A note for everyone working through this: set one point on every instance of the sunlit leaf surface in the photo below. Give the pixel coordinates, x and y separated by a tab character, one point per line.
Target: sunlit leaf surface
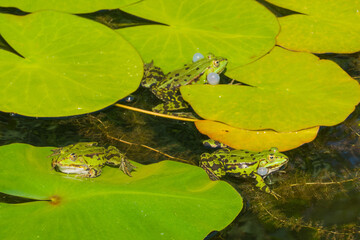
289	91
241	31
78	6
322	25
160	201
69	65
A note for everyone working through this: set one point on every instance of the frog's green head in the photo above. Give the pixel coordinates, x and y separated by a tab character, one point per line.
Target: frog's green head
217	64
272	161
68	158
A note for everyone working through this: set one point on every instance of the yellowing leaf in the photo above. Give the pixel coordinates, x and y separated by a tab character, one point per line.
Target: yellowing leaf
255	140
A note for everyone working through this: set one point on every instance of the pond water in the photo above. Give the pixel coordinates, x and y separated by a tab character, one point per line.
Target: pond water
319	188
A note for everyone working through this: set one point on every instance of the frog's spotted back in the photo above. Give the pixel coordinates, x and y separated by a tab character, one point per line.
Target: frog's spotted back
243	163
86	159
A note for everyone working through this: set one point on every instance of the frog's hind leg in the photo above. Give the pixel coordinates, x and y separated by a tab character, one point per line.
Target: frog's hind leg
174	105
126	167
209	172
169	106
116	158
214	169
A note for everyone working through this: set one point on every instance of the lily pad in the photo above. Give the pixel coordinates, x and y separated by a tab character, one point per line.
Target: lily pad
70	65
323	26
255	140
289	91
79	6
158	202
241	31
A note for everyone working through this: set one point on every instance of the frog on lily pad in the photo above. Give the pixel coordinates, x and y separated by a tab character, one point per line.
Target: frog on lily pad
86	159
243	163
166	87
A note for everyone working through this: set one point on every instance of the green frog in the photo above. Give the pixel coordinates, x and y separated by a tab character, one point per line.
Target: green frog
166	87
87	159
243	163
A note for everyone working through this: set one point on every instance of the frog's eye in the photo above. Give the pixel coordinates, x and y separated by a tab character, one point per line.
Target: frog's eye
72	156
216	63
271	157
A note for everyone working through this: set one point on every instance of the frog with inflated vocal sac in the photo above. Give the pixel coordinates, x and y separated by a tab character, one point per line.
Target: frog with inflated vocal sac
166	87
86	159
243	163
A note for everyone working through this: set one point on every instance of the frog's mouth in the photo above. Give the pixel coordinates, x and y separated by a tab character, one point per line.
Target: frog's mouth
71	169
280	167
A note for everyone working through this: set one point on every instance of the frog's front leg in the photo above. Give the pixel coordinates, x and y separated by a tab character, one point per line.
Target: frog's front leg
92	172
260	183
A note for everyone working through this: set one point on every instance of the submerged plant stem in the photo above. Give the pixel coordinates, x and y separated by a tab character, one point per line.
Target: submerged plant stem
325	183
156	114
142	145
319	229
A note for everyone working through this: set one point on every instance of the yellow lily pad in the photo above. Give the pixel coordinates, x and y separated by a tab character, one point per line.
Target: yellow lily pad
255	140
323	26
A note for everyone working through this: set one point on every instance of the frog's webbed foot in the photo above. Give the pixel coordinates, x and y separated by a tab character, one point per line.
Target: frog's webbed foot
126	167
116	158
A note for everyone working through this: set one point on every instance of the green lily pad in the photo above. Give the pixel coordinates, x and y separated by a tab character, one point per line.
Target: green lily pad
241	31
255	140
70	65
324	26
289	91
79	6
160	201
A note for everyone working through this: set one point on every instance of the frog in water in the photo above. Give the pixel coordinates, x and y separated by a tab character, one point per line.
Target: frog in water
243	163
86	159
166	87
